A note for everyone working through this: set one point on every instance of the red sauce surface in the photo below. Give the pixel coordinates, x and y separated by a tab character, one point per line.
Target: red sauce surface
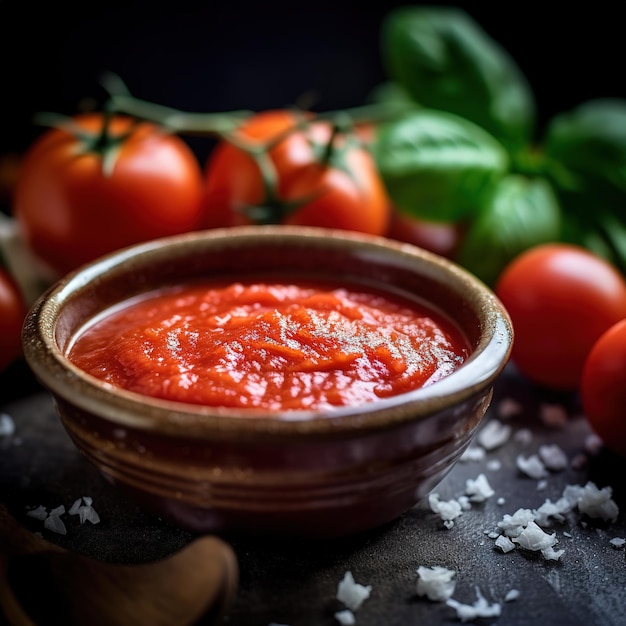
274	345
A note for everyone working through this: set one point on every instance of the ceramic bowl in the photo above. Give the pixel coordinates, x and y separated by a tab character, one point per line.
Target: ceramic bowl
224	471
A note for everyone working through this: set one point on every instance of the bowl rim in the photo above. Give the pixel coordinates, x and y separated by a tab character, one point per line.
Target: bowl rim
129	409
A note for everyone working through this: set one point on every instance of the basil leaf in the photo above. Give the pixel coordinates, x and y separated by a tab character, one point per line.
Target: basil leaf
590	142
521	212
446	61
438	166
589	146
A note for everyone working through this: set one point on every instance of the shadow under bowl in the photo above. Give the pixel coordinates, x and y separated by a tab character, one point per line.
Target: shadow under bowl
222	470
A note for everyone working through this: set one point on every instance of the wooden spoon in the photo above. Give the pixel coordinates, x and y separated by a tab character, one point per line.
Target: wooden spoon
41	583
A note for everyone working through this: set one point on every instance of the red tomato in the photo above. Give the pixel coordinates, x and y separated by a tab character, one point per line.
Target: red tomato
344	193
438	237
70	210
603	387
12	313
561	298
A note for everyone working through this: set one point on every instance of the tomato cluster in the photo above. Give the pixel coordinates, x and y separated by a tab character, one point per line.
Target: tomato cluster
568	308
98	183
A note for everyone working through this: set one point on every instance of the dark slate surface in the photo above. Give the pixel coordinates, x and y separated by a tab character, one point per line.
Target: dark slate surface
294	582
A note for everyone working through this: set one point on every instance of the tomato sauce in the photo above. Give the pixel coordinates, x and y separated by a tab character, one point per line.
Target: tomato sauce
270	345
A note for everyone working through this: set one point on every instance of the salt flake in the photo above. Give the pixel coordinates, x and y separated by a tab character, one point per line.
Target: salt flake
88	514
595	502
478	490
553	457
55	524
480	608
436	583
75	506
531	466
512	594
351	593
534	538
447	510
473	453
494	434
345	617
504	543
39	513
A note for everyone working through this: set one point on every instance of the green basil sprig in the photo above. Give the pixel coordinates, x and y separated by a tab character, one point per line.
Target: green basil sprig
438	166
590	142
445	61
589	146
483	164
521	212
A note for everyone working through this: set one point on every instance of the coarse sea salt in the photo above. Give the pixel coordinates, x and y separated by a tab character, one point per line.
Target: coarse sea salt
480	608
479	489
345	617
476	491
531	466
512	594
448	510
524	526
505	544
532	537
52	519
494	434
85	511
437	583
553	457
39	513
594	502
351	593
473	453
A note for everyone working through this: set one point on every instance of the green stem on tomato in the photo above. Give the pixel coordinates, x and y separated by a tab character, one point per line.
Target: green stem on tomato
219	124
374	113
176	120
62	122
269	177
122	101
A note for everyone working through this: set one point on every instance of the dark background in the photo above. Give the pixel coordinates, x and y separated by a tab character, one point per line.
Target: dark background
218	56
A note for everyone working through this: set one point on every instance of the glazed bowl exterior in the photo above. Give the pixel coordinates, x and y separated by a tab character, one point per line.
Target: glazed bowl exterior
225	470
